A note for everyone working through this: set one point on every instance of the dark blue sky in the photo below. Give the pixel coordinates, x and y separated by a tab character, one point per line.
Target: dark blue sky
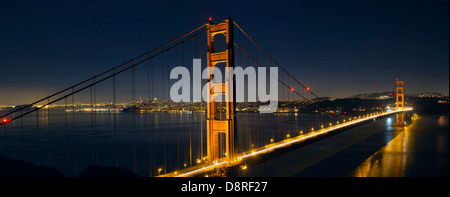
338	48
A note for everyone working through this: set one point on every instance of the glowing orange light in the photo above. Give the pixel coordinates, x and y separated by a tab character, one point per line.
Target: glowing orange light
292	89
307	89
5	120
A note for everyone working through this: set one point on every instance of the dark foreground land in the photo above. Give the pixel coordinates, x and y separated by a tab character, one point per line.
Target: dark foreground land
17	168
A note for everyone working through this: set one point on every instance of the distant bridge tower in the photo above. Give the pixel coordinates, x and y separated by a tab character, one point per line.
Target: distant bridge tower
217	126
400	101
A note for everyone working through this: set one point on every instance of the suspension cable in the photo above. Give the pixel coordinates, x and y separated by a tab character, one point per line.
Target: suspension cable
105	72
99	81
272	58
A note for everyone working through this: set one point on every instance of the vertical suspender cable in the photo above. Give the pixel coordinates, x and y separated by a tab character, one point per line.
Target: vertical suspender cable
114	111
38	137
49	134
22	139
73	136
67	137
133	115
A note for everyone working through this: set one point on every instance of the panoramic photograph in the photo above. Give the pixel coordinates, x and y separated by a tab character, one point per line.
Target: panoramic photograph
265	95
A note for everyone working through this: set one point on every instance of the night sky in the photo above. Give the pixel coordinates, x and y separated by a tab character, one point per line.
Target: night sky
338	48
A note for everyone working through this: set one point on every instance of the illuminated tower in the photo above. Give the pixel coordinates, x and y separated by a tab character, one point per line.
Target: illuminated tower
400	101
218	126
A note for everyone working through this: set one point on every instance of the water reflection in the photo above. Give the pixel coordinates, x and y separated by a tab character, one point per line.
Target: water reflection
419	149
387	162
443	121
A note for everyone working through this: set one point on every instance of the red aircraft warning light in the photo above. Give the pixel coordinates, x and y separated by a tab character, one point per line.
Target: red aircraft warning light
5	120
210	18
307	89
292	89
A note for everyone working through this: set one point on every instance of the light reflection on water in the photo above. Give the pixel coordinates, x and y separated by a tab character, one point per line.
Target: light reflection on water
443	121
387	162
413	152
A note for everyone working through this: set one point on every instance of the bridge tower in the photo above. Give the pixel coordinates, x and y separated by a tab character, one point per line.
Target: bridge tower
218	126
400	98
400	101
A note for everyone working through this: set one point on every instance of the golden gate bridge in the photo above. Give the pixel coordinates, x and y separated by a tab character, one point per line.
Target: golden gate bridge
224	134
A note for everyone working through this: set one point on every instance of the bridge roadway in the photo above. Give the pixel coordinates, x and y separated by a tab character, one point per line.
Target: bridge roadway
202	168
